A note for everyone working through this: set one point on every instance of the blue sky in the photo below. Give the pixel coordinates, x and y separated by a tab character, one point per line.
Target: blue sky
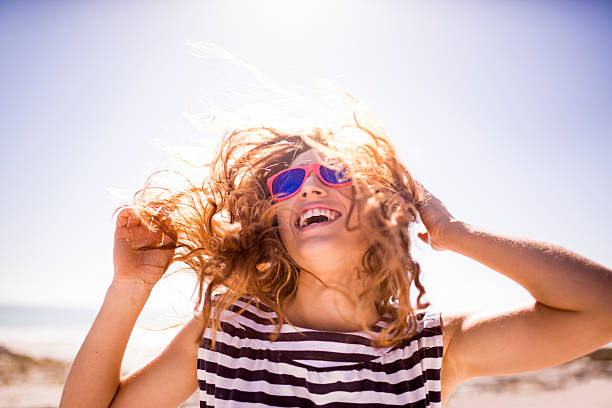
500	108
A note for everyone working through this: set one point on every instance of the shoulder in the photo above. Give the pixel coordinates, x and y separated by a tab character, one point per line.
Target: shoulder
192	331
451	322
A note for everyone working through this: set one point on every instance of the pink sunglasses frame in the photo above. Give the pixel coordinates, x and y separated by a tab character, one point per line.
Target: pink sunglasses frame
315	167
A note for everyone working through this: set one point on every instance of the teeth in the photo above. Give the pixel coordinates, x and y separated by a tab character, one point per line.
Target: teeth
330	214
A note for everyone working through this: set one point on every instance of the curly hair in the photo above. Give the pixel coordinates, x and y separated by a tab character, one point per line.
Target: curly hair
226	228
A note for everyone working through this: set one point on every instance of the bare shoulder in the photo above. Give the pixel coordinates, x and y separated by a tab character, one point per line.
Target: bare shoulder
451	323
450	378
194	329
515	339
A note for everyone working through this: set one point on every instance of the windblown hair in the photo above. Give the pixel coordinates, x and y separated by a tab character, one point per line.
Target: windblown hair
226	228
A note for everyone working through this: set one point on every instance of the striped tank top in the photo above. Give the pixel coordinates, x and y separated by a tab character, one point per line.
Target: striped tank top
316	368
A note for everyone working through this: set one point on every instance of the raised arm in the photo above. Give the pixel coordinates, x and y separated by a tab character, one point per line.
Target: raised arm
570	316
94	378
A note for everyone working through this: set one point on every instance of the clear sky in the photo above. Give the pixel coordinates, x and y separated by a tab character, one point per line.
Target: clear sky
500	108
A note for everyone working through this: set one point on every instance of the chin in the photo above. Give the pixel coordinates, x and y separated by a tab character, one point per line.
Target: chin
315	250
323	252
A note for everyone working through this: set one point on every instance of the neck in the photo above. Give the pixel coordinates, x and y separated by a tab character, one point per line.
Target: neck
325	306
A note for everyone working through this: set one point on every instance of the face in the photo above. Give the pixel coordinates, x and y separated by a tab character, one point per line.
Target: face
322	244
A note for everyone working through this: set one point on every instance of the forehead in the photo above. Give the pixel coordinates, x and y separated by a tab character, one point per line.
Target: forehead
307	157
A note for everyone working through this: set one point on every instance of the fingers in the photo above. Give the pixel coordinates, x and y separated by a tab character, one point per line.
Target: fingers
121	230
163	222
424	193
125	224
420	194
128	227
157	232
122	217
133	221
127	218
154	234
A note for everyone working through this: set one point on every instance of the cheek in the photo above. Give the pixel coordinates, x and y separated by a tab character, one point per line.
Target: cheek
346	192
284	226
284	218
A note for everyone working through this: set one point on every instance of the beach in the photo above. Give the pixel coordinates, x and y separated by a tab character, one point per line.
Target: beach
585	382
34	382
37	346
29	382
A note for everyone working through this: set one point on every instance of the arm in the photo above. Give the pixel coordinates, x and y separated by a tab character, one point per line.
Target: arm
570	316
168	379
94	378
555	276
95	372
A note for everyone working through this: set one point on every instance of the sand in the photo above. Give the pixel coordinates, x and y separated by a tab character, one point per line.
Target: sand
29	382
588	394
583	382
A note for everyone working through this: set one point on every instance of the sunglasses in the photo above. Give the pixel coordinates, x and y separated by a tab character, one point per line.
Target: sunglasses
289	182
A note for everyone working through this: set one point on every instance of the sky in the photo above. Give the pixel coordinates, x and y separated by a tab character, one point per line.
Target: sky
500	108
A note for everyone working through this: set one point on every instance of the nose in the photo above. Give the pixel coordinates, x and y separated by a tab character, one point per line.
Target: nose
313	187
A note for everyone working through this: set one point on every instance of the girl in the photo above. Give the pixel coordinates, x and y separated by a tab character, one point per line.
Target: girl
301	243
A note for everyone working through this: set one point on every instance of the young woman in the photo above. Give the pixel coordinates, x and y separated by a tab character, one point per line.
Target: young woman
301	242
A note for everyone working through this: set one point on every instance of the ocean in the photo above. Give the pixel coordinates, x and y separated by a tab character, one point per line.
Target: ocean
57	333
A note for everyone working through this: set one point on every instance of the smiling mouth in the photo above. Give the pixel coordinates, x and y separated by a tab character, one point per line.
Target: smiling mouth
316	217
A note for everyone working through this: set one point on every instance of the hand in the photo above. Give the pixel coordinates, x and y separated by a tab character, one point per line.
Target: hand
133	263
436	218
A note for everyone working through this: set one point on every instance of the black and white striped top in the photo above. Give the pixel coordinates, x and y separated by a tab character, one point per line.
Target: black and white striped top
316	368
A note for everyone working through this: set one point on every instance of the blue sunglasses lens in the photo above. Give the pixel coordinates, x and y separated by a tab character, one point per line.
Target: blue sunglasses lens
334	176
288	182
